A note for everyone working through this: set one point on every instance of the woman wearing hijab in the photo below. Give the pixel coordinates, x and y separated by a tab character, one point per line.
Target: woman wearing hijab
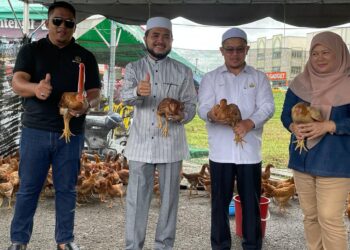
322	172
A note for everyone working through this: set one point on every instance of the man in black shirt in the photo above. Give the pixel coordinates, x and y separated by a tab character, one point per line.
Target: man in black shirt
44	70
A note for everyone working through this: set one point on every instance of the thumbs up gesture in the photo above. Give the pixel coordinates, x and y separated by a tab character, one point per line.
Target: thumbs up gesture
44	88
144	86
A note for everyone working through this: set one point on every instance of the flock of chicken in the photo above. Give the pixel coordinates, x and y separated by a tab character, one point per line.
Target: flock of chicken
106	179
9	180
281	191
100	179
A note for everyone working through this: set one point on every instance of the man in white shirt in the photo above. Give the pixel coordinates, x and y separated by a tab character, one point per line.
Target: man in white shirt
248	88
146	83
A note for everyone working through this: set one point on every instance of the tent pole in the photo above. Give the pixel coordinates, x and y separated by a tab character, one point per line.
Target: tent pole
14	13
26	17
111	69
101	36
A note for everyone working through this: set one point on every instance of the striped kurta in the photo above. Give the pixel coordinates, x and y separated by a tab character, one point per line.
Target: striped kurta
169	78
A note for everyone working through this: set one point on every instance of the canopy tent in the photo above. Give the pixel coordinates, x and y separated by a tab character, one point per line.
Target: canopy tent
11	29
36	11
94	34
311	13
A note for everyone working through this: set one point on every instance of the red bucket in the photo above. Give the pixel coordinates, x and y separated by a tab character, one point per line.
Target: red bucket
264	214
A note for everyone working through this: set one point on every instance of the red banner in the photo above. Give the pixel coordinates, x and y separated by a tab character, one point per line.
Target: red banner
275	76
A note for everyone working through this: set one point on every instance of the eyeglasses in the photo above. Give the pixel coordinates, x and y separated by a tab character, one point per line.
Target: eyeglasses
231	50
57	21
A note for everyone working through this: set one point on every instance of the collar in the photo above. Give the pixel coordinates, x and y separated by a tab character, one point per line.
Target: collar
154	62
223	69
72	41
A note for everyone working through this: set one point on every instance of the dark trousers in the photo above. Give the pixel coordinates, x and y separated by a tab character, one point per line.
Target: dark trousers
39	149
223	176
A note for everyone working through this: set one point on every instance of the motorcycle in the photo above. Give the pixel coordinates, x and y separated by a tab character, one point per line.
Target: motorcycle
99	139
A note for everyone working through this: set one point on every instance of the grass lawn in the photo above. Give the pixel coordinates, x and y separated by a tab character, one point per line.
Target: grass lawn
275	136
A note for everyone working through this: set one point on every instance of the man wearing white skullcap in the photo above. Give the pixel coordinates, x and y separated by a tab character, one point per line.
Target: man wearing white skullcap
146	83
158	22
250	90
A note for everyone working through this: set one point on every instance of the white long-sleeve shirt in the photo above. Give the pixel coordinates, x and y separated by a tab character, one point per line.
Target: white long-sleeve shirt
251	91
169	78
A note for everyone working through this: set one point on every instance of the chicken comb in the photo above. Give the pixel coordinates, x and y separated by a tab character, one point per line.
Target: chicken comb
81	82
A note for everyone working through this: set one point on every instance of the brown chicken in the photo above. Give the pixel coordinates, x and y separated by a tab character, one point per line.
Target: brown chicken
170	109
281	195
230	114
347	211
101	188
72	101
193	178
303	113
6	190
267	172
115	190
85	187
206	182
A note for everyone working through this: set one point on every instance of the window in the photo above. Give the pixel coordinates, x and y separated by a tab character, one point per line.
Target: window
276	54
295	70
261	55
276	69
297	54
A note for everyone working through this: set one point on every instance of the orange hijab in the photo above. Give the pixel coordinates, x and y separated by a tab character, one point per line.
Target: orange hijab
324	90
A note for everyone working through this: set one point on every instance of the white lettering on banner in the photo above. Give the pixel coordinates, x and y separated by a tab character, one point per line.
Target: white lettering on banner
276	75
13	24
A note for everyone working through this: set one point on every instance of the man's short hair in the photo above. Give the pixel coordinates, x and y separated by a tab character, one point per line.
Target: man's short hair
61	4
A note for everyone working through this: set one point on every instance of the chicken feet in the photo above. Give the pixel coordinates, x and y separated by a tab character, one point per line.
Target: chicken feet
300	145
165	129
66	118
239	140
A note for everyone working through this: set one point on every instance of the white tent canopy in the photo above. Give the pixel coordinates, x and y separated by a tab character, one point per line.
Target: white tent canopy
310	13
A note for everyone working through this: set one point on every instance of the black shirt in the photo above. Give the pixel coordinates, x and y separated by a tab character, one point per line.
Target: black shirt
42	57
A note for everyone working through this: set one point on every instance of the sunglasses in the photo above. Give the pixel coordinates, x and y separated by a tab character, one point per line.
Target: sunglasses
57	21
231	50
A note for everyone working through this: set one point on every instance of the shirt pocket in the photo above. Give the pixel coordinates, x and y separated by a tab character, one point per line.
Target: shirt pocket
249	89
171	89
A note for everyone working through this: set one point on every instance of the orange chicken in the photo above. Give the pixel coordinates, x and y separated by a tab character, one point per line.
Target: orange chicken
267	172
6	190
85	187
230	114
115	190
170	109
72	101
206	182
281	195
348	206
303	113
193	178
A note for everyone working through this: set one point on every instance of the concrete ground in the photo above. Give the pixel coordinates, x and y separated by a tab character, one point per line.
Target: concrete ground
102	228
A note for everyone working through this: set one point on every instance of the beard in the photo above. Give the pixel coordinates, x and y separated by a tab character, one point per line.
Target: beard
158	56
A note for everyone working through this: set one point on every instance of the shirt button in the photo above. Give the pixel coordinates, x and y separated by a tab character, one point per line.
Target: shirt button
156	70
152	110
152	123
156	83
154	96
152	137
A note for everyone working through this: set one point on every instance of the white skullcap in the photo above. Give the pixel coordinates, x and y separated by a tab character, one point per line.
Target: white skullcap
158	22
234	32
